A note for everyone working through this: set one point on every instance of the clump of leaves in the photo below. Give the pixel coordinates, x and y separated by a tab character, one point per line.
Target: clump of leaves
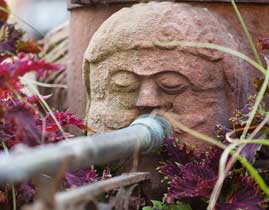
192	176
241	193
22	119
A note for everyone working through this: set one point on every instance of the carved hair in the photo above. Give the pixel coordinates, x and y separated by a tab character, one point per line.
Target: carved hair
139	26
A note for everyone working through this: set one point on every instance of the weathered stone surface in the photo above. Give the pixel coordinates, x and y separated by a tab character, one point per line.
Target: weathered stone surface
130	76
86	20
83	24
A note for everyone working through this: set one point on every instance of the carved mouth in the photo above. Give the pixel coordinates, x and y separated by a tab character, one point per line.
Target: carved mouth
123	119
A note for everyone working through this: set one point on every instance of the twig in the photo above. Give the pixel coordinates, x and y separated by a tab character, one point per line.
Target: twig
89	192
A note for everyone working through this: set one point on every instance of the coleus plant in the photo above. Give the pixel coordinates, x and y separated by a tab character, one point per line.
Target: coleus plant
22	121
191	176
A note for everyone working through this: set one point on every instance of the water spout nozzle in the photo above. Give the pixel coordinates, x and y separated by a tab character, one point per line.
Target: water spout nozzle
159	128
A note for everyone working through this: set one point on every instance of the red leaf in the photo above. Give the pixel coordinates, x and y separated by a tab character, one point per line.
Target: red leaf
12	69
29	47
64	119
24	125
35	99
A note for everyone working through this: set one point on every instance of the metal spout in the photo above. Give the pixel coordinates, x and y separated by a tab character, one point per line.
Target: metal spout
146	134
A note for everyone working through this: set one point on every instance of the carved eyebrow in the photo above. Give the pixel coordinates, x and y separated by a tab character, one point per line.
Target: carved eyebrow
214	55
95	57
183	71
116	66
122	71
207	56
119	69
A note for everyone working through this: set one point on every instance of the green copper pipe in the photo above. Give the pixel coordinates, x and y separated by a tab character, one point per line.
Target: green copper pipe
146	134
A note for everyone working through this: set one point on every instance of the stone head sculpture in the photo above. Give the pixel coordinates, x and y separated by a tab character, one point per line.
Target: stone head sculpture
127	75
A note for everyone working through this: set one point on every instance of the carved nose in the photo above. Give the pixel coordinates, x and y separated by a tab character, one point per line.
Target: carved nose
148	96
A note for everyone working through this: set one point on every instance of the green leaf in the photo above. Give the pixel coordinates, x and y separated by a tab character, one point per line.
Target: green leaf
147	208
157	204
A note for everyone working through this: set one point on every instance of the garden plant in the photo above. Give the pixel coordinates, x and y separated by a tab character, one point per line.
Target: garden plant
232	174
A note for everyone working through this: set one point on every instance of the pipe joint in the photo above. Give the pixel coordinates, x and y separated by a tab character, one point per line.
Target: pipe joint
159	130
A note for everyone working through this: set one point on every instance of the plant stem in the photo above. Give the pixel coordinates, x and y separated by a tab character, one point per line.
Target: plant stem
260	126
248	35
14	202
256	104
34	90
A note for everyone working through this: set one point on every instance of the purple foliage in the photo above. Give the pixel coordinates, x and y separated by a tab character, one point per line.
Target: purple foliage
195	177
25	193
173	150
245	195
10	37
189	175
27	131
250	151
21	120
195	180
80	177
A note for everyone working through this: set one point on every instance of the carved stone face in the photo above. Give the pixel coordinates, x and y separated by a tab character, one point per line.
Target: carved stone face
198	86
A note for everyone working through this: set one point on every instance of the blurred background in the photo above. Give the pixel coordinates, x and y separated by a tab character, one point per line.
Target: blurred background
42	15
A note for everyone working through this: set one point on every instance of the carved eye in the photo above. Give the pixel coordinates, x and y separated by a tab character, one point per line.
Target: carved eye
124	81
172	82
